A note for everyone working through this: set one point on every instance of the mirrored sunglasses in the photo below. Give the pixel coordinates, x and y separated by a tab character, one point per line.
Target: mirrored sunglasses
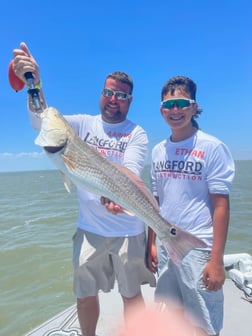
118	94
178	102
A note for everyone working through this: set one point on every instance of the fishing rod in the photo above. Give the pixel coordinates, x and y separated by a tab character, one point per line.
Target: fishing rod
17	84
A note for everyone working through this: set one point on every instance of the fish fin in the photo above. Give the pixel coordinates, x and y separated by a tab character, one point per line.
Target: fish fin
127	212
139	183
179	243
70	164
67	182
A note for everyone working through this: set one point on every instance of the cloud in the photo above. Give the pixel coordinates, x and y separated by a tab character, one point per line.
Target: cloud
10	162
22	155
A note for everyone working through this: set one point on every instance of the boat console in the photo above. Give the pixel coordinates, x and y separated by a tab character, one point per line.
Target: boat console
239	270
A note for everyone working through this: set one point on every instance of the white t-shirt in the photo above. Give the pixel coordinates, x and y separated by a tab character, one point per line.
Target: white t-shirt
125	143
184	174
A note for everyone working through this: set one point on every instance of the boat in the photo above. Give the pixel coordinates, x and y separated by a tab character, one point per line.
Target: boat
237	305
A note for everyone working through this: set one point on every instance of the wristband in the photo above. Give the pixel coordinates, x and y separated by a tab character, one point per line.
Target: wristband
37	86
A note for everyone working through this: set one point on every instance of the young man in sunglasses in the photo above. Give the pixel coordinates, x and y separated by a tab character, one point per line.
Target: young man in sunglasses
191	176
105	247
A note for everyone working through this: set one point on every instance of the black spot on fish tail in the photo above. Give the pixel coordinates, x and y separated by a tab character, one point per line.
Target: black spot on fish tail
173	231
179	242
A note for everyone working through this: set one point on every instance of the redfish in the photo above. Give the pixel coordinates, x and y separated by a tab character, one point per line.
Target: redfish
89	170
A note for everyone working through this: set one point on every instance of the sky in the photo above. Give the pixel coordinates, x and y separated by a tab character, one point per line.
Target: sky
77	43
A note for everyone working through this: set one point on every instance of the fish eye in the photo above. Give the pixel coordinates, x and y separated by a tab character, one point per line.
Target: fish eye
173	231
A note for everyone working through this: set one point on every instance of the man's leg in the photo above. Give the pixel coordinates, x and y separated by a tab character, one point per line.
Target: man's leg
88	313
129	303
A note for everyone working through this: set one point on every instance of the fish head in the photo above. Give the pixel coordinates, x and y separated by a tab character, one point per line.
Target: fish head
54	131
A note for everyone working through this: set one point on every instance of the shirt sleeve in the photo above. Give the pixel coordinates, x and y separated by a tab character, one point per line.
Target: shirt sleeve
221	170
136	153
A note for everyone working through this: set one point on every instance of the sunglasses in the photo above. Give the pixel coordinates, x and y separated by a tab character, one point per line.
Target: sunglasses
118	94
179	102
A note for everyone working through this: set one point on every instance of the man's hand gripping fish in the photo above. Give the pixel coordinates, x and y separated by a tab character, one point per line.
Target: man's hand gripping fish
89	170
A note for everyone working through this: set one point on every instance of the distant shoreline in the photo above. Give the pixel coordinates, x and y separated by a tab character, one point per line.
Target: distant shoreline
55	169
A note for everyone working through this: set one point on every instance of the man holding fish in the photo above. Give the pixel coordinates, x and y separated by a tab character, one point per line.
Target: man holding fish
105	247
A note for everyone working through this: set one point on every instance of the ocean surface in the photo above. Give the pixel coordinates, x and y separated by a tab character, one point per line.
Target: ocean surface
37	221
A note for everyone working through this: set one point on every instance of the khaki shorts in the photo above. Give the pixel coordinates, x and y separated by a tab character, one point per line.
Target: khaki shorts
99	260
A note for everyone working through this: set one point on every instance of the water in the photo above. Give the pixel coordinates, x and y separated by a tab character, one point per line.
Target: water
37	221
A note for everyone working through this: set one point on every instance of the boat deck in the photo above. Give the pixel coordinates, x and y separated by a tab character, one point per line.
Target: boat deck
238	313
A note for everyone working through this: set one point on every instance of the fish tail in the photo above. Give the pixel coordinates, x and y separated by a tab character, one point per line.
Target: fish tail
179	243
